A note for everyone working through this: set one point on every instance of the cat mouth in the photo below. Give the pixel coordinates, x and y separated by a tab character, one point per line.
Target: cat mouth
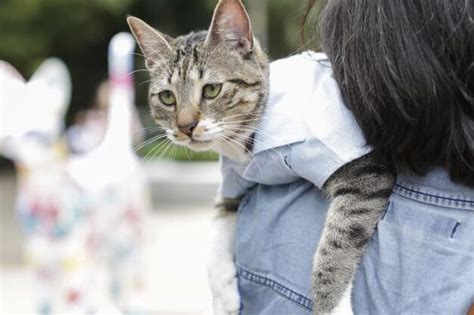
193	143
200	145
201	141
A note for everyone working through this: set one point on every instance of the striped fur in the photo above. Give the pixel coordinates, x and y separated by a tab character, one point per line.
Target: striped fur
184	66
359	192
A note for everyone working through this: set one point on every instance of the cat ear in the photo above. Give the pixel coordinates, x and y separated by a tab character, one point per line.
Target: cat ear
8	71
49	89
152	43
12	92
55	76
231	23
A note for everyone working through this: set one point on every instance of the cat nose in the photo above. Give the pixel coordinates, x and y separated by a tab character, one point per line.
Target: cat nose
188	129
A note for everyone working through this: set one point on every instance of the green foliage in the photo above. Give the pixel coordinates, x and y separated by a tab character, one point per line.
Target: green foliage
285	28
35	29
77	31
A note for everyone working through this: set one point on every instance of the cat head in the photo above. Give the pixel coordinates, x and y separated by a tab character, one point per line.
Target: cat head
33	112
207	89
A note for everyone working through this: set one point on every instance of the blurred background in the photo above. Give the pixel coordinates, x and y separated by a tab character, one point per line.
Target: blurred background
181	185
78	32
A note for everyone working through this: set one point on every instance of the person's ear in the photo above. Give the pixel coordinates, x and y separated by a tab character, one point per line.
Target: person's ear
152	43
231	23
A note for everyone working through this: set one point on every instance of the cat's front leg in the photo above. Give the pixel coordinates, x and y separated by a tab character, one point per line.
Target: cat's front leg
359	193
221	268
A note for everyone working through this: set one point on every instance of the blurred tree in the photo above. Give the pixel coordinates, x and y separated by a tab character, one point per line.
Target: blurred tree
76	31
258	10
172	17
284	28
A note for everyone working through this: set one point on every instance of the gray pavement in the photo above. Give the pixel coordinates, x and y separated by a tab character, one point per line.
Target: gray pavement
10	234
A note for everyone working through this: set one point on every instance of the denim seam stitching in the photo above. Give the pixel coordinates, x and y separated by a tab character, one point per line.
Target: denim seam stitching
272	284
434	196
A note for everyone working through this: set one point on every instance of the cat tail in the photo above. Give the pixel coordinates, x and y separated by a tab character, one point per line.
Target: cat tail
359	192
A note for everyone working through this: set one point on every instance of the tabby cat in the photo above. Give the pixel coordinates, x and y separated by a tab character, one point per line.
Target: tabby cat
203	82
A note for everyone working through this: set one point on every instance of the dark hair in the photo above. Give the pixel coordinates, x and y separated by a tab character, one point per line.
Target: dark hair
406	69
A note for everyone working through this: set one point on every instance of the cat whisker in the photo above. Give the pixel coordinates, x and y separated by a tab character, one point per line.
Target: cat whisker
243	121
161	58
242	114
168	69
139	54
247	119
238	133
163	67
255	141
171	156
147	129
149	141
146	142
158	155
234	143
138	70
154	150
244	128
162	152
244	147
140	132
186	150
145	82
172	152
157	148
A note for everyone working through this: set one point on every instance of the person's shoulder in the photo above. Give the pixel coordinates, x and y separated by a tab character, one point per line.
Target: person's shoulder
293	82
299	74
304	63
304	57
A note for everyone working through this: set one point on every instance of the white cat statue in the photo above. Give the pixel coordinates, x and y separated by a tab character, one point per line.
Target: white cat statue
49	205
114	183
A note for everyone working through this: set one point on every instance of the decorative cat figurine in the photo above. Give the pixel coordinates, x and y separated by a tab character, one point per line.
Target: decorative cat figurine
208	91
12	84
115	186
48	204
67	204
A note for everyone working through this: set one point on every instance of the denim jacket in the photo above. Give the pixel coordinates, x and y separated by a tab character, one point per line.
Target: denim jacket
420	259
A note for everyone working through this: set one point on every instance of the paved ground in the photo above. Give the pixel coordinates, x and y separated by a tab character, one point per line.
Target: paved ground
176	251
10	236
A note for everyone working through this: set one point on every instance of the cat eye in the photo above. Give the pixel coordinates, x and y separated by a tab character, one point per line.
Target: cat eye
211	91
167	98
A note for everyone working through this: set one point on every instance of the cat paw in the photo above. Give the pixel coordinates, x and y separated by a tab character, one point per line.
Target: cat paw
339	310
343	308
324	304
224	288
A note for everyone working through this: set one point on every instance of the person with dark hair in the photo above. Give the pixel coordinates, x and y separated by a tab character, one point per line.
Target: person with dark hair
405	70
